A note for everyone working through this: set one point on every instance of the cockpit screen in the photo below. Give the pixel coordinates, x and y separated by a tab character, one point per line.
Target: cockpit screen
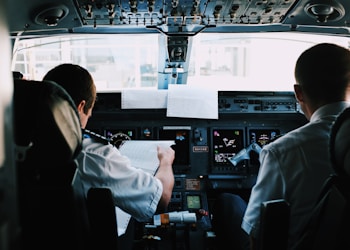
193	202
261	137
226	144
181	147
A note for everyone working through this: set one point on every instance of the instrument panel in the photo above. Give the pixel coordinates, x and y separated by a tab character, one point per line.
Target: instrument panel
204	146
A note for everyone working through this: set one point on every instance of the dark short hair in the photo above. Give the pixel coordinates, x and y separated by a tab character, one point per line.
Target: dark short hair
76	80
323	72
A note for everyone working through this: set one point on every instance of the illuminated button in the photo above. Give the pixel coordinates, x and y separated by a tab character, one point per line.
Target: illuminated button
147	133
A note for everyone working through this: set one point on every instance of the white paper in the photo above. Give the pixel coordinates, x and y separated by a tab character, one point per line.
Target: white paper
144	99
123	219
192	102
142	154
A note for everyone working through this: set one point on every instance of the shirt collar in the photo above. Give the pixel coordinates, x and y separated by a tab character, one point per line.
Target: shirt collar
332	109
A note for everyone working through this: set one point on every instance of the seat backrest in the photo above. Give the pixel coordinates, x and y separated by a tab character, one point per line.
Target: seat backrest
45	119
329	226
336	216
48	136
339	145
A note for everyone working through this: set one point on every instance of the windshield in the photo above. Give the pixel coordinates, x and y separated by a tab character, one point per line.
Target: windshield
222	61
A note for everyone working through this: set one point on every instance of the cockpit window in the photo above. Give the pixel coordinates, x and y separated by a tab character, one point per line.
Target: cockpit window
115	62
222	61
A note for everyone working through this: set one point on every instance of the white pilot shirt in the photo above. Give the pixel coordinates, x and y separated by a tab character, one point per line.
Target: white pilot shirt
294	167
134	191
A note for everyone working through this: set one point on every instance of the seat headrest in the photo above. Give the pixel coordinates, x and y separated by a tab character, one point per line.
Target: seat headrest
47	121
340	143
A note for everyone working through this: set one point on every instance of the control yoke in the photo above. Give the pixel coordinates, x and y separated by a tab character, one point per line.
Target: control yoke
244	153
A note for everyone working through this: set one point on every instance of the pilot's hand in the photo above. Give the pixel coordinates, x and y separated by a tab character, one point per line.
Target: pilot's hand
166	155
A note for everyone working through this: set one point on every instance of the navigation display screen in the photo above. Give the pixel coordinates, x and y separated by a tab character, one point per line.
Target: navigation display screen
226	144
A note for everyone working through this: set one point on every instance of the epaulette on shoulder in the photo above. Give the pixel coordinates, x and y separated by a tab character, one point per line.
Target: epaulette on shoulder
97	137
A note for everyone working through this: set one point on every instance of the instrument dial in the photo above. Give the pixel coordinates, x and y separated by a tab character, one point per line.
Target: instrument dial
118	139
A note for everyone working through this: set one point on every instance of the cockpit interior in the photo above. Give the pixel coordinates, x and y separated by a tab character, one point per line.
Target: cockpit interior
214	76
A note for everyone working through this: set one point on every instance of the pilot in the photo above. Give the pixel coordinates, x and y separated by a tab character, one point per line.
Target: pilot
101	164
295	166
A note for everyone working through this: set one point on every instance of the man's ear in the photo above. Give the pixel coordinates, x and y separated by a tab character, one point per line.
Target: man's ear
298	93
81	106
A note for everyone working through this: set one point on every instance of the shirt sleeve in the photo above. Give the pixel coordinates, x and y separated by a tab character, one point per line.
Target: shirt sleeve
269	186
134	191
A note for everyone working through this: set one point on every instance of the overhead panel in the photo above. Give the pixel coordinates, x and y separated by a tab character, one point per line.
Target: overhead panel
182	12
179	17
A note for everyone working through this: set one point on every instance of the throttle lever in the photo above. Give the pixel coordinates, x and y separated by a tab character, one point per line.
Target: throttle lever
244	153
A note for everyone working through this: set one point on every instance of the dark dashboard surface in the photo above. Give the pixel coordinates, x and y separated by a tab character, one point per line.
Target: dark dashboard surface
204	147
